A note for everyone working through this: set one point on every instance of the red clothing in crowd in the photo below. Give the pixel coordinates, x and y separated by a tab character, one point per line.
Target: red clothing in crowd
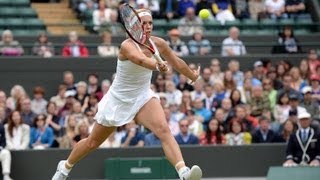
204	141
67	49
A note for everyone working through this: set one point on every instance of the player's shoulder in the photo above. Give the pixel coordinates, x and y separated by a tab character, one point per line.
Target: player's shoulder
158	40
127	43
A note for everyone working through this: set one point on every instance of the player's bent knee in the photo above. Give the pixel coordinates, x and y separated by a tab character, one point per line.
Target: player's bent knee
162	131
92	144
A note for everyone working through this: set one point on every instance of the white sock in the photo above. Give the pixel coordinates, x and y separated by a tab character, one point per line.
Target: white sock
184	172
65	170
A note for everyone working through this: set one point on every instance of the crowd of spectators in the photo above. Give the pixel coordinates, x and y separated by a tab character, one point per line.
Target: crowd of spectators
225	107
104	13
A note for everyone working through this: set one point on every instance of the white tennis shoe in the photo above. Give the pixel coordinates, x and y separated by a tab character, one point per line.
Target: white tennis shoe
60	175
195	173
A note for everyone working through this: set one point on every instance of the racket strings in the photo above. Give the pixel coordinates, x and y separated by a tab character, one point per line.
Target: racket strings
132	23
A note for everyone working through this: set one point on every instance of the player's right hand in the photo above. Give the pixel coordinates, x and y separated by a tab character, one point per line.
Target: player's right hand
162	67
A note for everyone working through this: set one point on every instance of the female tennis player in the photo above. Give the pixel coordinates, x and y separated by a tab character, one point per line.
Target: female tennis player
130	98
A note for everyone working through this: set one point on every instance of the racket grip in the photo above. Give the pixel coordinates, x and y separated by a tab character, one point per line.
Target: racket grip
158	58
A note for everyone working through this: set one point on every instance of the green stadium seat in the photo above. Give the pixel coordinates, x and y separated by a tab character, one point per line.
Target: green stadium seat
268	24
15	23
160	22
20	3
26	32
286	22
249	24
3	24
5	3
34	23
173	23
27	12
233	23
212	25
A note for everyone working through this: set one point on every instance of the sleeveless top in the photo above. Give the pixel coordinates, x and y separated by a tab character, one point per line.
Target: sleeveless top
129	91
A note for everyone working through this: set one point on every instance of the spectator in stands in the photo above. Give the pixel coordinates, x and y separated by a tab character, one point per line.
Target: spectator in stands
169	9
69	132
229	82
173	95
276	9
105	85
111	142
259	101
53	120
101	16
17	92
82	131
268	89
185	102
201	111
183	84
303	147
223	11
241	9
206	75
43	47
68	80
93	83
151	140
281	71
313	61
216	74
114	27
199	45
176	44
106	48
309	104
287	42
248	122
281	110
264	134
315	84
237	136
8	46
3	115
5	155
17	133
195	125
289	127
185	137
287	82
176	115
41	136
209	101
38	103
198	92
237	75
258	71
235	97
297	82
190	23
219	91
60	98
82	96
294	8
304	69
173	125
295	108
184	5
133	136
27	114
256	9
74	48
272	75
213	134
232	46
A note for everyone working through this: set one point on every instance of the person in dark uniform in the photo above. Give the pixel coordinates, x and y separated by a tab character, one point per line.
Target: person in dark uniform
304	146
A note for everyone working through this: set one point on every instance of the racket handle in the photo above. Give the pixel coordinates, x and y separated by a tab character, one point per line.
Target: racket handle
158	58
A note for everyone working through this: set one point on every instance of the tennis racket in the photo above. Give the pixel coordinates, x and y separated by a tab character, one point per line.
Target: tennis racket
134	28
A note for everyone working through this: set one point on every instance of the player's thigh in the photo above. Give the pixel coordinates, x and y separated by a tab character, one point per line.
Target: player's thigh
99	133
152	116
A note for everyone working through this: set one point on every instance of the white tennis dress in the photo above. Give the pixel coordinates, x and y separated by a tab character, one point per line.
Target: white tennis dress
129	91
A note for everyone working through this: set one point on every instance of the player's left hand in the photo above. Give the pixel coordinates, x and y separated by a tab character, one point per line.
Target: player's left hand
162	67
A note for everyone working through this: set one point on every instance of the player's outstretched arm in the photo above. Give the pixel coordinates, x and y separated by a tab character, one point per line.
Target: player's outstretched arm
128	50
176	62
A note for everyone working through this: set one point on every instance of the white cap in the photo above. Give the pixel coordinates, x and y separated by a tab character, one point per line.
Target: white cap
304	115
306	89
69	93
258	63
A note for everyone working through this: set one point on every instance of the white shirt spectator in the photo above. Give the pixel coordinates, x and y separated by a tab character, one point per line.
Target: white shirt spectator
275	5
236	45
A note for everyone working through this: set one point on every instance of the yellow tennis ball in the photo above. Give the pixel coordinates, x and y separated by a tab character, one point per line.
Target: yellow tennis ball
204	14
